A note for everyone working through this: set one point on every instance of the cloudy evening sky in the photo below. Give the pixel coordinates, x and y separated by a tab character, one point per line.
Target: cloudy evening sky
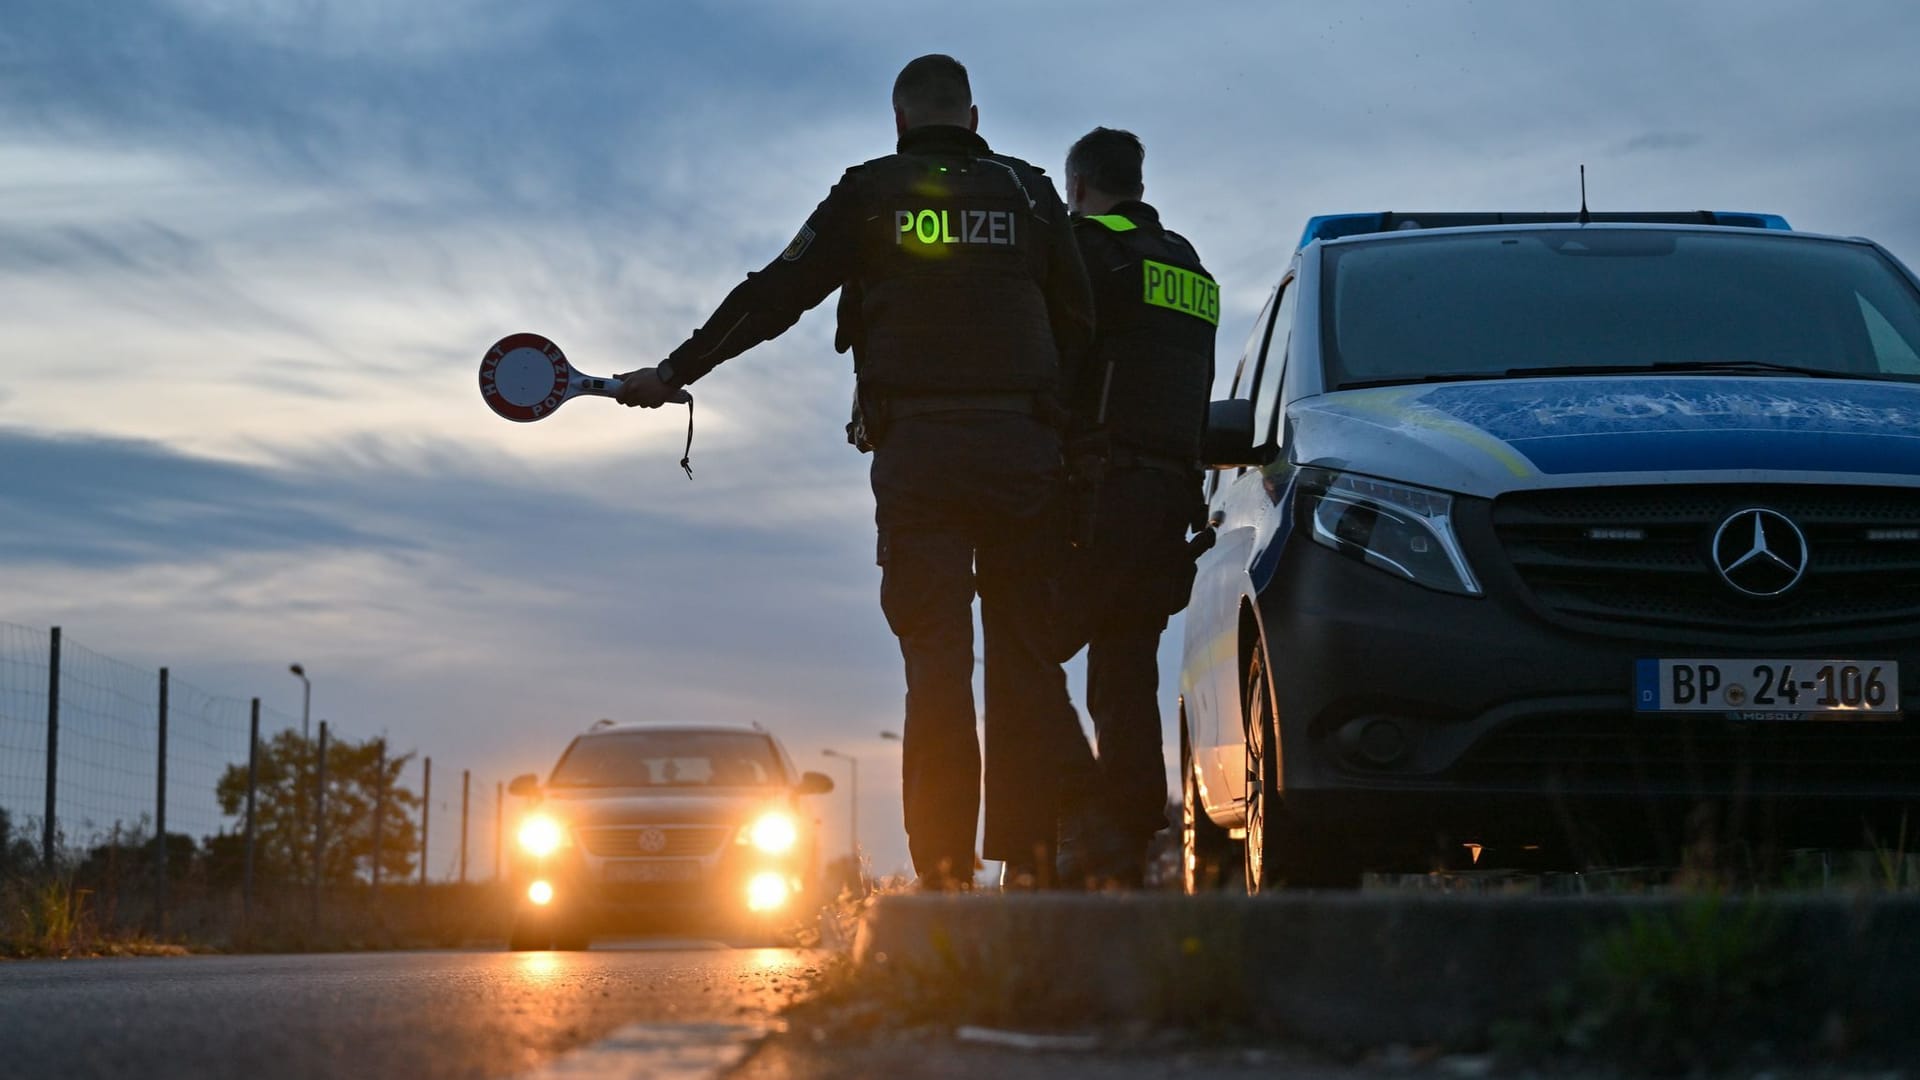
251	252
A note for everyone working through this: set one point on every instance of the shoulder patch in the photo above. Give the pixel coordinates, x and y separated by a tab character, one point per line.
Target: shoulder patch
802	240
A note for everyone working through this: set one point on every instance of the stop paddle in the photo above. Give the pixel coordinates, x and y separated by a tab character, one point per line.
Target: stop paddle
525	377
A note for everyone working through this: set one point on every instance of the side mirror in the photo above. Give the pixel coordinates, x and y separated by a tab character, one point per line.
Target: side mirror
813	783
526	785
1228	441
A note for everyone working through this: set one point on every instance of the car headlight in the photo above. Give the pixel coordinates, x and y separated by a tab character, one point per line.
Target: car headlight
768	892
1405	530
541	835
773	833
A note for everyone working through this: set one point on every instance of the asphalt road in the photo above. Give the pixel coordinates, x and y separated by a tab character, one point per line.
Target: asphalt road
411	1015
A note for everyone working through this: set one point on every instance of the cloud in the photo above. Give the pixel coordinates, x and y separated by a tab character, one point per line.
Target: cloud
1660	141
93	503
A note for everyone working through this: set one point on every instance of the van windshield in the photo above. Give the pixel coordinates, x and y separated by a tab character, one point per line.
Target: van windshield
1602	299
688	759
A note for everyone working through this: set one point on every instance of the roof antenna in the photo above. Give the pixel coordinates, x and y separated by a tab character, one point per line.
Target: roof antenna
1585	218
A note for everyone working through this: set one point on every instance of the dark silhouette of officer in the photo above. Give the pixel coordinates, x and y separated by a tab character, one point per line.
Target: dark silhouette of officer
1139	405
965	305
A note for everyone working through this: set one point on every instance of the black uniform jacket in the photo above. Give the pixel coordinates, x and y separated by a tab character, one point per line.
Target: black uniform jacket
834	247
1149	370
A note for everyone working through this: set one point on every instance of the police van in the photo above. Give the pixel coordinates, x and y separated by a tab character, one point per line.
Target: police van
1552	537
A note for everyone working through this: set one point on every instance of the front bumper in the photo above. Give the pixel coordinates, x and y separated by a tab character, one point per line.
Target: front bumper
611	892
1402	710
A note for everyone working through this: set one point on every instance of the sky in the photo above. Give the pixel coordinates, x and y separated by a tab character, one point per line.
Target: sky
252	251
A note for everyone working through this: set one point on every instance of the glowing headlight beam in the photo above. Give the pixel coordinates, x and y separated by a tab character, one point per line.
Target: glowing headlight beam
767	891
541	836
774	833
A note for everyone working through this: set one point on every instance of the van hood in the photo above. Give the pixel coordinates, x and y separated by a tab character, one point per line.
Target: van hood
1485	438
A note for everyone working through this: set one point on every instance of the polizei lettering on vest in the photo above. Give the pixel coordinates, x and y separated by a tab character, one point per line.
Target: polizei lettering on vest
935	227
1182	290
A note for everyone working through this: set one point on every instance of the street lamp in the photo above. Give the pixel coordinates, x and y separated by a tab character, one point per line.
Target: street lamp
853	822
306	697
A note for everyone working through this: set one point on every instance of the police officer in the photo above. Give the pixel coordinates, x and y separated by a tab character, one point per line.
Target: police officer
1142	398
965	304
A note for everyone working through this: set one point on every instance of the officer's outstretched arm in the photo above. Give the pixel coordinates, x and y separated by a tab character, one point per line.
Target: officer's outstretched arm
771	300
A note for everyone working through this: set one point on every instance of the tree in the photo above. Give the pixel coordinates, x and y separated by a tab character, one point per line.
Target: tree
18	856
284	810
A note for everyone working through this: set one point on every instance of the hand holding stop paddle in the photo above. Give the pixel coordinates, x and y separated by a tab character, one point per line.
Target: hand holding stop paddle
525	377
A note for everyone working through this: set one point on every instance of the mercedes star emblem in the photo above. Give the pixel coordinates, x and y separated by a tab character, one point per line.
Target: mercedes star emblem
1760	552
652	841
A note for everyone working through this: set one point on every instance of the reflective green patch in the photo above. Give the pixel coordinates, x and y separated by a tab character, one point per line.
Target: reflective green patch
1183	291
930	229
1113	221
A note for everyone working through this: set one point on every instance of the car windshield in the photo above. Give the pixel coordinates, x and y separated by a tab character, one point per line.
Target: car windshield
669	759
1533	302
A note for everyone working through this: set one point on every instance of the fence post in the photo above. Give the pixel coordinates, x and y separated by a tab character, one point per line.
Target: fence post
320	828
53	748
160	814
466	790
499	824
379	814
253	785
426	817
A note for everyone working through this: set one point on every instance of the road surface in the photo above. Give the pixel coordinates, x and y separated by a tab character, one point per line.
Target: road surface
411	1015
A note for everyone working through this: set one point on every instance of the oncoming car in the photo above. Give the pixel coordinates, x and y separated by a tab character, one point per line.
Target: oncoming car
1542	536
637	820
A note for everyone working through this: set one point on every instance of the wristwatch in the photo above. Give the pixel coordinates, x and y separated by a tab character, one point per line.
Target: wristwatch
664	369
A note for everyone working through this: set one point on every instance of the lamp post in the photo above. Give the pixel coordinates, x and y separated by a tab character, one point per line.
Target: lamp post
306	696
853	821
306	709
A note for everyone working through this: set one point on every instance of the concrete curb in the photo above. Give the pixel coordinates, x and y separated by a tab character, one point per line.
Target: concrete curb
1369	970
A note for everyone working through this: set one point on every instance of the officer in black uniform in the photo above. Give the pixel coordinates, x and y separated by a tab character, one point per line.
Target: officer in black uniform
1141	401
966	306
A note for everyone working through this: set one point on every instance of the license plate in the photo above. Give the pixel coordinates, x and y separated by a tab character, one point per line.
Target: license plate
654	871
1787	689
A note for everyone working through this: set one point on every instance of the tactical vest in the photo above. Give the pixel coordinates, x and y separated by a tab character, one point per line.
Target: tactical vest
948	296
1150	371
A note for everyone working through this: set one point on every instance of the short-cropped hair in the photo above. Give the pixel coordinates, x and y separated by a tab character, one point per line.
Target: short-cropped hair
1108	159
933	86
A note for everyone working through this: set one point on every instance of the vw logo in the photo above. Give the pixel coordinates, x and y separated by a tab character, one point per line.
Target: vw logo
652	841
1760	552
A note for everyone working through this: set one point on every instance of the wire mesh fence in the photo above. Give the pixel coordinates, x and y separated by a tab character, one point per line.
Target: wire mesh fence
206	736
108	731
143	784
23	726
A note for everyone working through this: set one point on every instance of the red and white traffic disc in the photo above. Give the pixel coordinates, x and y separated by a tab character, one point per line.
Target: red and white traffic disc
524	377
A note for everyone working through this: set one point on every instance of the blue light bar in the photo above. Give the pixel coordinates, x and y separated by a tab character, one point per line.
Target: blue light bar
1335	226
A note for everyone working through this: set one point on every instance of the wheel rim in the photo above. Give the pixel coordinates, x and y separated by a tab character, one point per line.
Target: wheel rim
1257	750
1189	821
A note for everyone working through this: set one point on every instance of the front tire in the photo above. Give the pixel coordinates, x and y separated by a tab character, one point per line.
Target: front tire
1278	852
1205	848
530	933
568	938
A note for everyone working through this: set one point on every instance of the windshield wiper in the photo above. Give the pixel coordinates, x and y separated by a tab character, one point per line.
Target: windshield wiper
1410	380
1665	367
1683	367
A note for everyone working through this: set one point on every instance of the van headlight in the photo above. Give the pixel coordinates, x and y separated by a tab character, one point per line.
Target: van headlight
773	833
1405	530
